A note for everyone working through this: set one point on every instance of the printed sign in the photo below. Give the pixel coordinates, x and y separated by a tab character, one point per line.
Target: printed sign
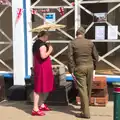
112	32
49	18
99	32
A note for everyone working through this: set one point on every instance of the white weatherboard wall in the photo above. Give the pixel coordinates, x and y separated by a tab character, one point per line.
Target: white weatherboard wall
18	45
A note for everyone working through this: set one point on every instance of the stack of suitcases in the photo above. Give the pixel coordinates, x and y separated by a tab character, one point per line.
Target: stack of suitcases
99	95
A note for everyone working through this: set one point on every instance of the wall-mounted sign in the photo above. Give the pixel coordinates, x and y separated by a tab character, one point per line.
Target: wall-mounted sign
100	17
112	32
49	18
99	32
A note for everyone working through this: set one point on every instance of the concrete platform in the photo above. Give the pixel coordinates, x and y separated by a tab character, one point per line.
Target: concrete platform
21	111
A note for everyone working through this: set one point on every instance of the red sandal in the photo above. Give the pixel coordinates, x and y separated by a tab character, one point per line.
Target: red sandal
38	113
45	108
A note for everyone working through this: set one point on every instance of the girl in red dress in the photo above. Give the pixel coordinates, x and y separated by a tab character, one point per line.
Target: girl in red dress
43	76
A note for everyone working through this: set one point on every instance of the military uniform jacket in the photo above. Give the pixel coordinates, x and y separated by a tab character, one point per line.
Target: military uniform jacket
81	53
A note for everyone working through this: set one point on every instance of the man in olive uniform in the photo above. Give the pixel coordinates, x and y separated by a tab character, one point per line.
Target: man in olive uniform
82	60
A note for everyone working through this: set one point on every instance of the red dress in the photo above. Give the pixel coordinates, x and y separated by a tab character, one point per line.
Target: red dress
43	75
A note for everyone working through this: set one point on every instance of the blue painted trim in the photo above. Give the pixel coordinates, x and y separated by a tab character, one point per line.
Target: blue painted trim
109	79
27	77
68	78
7	75
25	37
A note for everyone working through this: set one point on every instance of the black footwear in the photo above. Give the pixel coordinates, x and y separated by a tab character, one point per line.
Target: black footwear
82	116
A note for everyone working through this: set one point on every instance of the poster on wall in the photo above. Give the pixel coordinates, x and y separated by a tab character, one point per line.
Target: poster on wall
113	32
99	32
49	18
100	17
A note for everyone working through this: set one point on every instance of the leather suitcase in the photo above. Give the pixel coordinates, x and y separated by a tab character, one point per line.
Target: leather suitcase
99	83
2	88
99	92
95	101
99	101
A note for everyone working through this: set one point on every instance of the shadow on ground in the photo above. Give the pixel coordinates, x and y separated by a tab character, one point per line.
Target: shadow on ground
70	109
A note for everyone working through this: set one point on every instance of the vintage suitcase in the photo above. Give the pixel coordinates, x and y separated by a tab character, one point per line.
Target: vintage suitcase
99	92
99	101
2	88
95	101
99	83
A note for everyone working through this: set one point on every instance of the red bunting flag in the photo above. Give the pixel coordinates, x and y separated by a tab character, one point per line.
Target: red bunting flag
61	11
33	11
73	4
19	14
45	10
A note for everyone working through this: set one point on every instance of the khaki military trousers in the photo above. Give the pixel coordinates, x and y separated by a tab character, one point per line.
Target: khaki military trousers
84	76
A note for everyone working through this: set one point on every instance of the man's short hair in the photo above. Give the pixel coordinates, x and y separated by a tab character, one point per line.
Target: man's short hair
80	31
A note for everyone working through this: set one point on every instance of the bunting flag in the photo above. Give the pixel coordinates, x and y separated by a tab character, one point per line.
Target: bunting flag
73	4
19	14
61	11
5	2
34	12
45	10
